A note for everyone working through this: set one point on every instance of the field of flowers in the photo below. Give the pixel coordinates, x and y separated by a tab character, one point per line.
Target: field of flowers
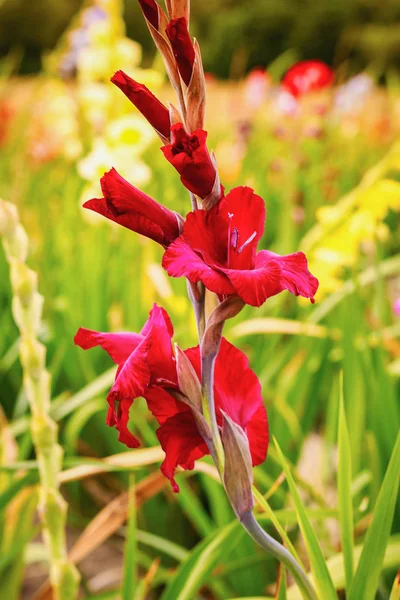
77	508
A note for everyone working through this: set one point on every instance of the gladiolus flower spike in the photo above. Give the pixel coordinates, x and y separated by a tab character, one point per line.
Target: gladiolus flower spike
205	399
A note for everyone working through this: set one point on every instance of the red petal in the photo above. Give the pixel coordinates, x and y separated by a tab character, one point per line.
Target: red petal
254	286
162	405
181	443
131	381
125	436
133	376
118	345
158	316
151	108
180	260
238	393
126	205
182	47
244	211
207	233
295	275
258	435
191	158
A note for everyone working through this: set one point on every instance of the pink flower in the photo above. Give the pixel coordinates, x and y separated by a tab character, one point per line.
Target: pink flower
219	248
147	368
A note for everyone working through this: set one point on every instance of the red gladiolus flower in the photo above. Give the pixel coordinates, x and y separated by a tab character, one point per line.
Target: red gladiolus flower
147	368
191	158
307	76
126	205
150	11
151	108
182	47
219	248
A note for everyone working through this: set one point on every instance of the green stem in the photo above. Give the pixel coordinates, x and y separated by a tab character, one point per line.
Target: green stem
268	543
207	389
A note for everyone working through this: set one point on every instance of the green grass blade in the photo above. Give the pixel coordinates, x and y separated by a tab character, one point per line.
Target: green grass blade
346	517
321	574
281	591
196	569
366	578
130	554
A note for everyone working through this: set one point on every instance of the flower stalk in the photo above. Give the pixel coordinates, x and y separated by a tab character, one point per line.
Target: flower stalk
27	311
267	542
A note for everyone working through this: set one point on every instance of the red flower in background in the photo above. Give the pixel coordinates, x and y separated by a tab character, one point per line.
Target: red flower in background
219	248
151	108
190	157
307	76
147	368
126	205
182	47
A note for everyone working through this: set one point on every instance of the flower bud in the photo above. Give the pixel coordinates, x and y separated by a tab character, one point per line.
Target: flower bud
238	474
182	47
188	381
151	108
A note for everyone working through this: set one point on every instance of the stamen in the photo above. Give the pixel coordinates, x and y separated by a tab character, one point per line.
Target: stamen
234	238
247	242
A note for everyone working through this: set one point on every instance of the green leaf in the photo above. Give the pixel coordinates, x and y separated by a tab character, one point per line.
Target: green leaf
366	579
195	570
281	591
322	578
335	565
346	518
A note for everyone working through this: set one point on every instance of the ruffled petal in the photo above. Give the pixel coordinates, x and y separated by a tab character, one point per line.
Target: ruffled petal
124	435
254	286
295	276
118	345
131	381
182	444
180	260
258	436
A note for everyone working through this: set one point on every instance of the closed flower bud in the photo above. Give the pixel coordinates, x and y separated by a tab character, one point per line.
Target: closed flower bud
238	474
151	108
182	47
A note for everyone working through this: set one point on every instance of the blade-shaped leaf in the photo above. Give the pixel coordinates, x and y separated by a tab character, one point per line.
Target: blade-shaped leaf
195	570
344	493
366	578
322	578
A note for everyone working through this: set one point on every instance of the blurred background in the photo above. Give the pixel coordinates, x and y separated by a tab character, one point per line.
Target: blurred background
235	36
324	154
